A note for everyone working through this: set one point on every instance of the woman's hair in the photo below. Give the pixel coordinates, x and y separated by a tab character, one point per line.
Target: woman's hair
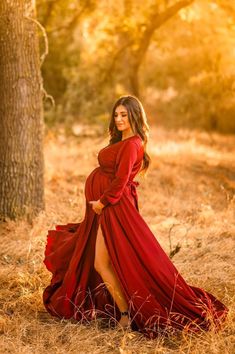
138	122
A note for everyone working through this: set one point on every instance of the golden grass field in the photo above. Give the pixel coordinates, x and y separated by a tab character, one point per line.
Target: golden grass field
187	198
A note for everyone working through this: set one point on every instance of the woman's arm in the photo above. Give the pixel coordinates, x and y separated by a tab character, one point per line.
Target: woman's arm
126	157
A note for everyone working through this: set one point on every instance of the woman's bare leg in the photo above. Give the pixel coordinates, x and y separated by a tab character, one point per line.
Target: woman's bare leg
104	267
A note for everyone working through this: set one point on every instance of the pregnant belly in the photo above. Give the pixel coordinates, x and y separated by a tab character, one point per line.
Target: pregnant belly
96	182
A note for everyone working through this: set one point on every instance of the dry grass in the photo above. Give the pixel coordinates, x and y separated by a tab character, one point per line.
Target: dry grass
187	199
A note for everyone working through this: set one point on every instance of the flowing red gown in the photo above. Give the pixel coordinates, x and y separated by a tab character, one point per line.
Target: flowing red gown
158	297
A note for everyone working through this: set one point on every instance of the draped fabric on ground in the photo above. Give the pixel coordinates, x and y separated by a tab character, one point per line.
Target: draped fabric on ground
157	295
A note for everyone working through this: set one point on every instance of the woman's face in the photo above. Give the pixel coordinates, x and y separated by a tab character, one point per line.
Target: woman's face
121	119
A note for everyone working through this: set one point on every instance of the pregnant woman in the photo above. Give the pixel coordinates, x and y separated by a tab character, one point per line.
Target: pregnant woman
110	265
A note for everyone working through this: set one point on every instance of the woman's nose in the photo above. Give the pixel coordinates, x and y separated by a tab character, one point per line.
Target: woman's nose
118	118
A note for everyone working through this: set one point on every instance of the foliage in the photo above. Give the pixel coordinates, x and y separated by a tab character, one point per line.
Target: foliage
183	71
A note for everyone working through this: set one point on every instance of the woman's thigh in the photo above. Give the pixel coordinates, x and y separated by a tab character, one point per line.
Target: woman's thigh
101	253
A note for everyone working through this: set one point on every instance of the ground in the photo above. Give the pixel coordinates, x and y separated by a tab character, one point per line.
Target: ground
187	198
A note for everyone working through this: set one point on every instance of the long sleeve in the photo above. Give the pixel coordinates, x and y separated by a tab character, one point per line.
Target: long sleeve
126	157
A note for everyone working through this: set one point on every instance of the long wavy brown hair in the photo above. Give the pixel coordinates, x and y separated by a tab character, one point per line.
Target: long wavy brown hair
138	122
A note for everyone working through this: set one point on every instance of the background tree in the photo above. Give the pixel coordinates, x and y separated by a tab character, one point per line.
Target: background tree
62	20
191	82
21	125
178	56
135	39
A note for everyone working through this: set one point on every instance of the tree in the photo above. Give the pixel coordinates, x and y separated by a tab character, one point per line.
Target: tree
21	124
136	46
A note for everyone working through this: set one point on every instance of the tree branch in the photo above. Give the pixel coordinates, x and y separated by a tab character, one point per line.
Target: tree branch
156	21
43	56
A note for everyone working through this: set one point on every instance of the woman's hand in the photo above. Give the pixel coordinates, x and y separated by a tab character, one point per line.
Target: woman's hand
97	206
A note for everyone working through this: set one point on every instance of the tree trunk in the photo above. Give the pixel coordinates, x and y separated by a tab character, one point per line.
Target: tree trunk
21	113
133	76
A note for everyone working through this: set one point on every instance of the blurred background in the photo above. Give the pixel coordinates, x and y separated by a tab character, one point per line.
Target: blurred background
176	56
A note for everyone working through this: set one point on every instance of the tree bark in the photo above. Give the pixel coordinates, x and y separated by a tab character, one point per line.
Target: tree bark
133	77
21	112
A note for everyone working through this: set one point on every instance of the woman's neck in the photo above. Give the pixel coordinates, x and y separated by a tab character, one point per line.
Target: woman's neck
127	135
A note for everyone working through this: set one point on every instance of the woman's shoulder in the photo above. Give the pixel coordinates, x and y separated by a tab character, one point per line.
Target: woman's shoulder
131	143
136	139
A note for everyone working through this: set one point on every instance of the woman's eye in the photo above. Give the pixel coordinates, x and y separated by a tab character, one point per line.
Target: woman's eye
123	116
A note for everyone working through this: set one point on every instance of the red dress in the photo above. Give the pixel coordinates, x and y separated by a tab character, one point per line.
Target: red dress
158	297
